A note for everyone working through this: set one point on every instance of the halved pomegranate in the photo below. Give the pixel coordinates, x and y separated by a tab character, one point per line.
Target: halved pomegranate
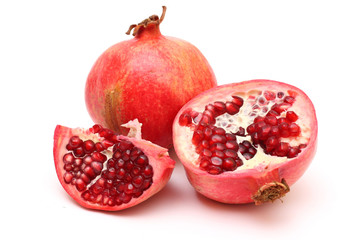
102	170
246	142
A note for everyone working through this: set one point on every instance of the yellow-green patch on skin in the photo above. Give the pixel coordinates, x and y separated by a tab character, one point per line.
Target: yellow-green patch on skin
111	101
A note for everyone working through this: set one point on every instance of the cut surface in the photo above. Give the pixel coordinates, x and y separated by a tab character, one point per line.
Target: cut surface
253	127
102	170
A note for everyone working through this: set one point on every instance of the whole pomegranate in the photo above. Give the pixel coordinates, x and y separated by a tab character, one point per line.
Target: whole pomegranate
246	142
104	171
149	77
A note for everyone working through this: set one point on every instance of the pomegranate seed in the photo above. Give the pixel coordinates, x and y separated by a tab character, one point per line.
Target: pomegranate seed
290	100
242	149
214	170
96	128
241	132
148	171
220	108
89	171
291	116
218	139
264	132
301	146
251	128
207	133
229	164
284	126
271	143
205	144
99	157
185	119
252	150
280	107
79	152
255	138
204	163
68	177
282	149
280	94
219	131
248	156
218	146
75	142
97	167
68	158
142	160
87	159
293	152
231	108
282	120
230	153
216	161
273	113
85	178
107	143
137	181
269	95
294	129
230	137
270	120
261	101
210	107
88	146
124	145
238	101
197	137
206	152
238	162
218	153
99	147
259	119
80	185
232	145
208	119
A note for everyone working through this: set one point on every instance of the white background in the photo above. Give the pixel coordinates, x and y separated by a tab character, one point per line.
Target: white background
47	49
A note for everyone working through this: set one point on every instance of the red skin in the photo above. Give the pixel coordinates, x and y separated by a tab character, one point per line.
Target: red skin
241	186
149	77
159	159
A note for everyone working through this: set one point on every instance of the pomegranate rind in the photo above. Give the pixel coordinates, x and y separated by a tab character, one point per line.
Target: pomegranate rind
133	76
158	157
241	185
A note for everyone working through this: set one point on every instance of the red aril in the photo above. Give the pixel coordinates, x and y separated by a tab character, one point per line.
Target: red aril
105	171
149	77
249	141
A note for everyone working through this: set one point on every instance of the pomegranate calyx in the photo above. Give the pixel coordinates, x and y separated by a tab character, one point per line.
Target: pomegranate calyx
270	192
153	19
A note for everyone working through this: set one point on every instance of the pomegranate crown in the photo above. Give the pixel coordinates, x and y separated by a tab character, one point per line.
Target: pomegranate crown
153	19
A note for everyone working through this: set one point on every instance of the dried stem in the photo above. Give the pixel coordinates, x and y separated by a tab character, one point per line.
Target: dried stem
153	19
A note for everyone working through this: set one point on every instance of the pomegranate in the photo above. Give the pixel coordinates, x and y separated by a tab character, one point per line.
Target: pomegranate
149	77
105	171
246	142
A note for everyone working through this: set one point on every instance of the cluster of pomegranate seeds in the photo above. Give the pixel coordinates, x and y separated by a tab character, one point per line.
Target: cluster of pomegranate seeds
126	175
219	150
268	130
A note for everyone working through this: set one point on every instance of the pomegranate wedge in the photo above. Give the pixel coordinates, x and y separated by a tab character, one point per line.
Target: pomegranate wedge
105	171
246	142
